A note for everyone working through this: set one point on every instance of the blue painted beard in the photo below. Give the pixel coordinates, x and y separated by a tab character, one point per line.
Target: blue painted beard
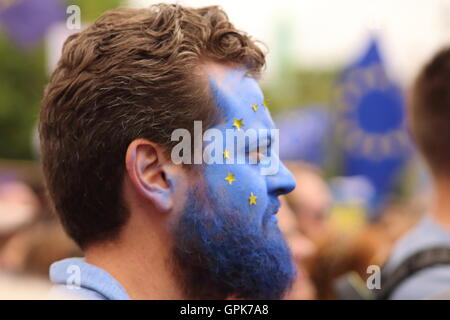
227	253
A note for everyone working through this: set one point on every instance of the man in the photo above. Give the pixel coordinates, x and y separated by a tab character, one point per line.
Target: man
429	116
152	226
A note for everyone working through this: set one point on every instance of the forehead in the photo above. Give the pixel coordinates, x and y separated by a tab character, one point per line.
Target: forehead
239	96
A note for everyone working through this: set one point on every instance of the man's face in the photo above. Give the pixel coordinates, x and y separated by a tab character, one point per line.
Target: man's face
228	243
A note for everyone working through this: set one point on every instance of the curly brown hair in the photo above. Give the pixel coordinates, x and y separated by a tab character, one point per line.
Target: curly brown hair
133	73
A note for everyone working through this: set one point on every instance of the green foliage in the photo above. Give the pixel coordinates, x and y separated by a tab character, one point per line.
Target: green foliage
300	87
91	9
22	81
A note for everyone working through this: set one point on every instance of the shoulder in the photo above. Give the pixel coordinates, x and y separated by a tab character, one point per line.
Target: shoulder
426	234
425	283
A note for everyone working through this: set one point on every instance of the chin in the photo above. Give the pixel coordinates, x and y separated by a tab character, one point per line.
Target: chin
221	254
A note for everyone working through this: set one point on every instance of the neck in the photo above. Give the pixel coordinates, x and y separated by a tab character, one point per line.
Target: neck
139	261
441	203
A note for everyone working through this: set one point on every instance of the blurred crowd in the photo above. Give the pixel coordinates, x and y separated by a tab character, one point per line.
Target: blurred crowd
322	250
330	239
31	238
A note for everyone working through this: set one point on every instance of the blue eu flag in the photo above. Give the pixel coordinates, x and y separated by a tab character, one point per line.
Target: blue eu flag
372	123
304	133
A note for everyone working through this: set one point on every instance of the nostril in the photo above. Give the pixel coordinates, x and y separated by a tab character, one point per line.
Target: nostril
282	183
281	191
285	189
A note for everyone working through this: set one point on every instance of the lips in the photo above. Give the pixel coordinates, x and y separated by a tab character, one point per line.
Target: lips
270	218
276	205
272	208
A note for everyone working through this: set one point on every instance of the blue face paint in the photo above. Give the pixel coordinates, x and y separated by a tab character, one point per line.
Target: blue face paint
227	240
221	252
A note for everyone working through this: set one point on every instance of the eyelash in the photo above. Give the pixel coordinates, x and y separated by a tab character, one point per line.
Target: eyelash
259	156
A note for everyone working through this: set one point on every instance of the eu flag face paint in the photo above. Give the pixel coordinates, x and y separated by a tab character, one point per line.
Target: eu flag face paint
227	239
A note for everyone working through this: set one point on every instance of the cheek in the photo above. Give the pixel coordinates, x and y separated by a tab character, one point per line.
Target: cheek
248	181
181	184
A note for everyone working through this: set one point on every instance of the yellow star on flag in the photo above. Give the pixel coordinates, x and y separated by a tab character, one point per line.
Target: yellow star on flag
252	199
230	178
265	104
226	154
238	123
255	107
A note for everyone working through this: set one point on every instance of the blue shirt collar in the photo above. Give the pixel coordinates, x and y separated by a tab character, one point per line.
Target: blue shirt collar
86	280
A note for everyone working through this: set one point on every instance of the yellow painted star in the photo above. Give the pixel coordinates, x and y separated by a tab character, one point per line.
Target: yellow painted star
252	199
255	107
230	178
238	123
265	104
226	155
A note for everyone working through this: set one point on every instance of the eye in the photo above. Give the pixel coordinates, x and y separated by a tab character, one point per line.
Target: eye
258	156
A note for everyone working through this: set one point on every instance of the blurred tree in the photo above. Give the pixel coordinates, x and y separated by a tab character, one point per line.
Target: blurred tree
91	10
298	87
22	81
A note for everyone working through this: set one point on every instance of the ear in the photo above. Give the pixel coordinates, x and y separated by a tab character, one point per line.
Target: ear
146	168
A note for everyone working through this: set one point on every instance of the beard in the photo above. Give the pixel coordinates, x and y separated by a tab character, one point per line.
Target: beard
222	252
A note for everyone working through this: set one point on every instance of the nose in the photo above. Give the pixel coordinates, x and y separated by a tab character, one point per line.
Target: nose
281	183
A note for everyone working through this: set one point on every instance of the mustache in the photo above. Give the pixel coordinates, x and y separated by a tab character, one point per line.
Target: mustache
273	206
216	252
272	209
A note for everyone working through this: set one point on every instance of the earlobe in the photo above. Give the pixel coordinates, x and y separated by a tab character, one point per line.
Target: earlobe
145	165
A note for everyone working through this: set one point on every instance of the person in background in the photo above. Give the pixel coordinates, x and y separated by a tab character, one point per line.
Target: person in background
429	118
302	249
311	202
34	248
341	253
19	207
18	210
